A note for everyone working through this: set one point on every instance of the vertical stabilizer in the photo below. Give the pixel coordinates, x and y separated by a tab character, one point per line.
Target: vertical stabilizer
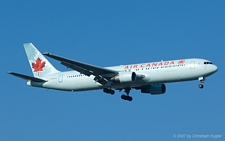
40	66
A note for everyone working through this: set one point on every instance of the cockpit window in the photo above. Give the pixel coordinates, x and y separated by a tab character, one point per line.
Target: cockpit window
208	63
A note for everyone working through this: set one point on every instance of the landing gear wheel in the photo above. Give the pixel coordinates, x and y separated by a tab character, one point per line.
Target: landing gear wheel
201	86
112	92
105	90
125	97
108	91
129	98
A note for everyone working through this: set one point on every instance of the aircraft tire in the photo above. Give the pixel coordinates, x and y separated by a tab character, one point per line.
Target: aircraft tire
112	92
123	97
128	98
105	90
201	86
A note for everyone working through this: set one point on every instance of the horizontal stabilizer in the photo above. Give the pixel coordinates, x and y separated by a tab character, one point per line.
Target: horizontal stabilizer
27	77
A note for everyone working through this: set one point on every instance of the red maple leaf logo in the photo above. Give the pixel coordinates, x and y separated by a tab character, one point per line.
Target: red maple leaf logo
181	62
38	66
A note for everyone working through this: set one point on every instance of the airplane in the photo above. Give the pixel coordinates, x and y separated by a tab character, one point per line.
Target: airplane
149	78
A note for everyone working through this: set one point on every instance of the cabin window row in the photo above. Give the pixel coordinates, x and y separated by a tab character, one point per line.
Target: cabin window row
72	76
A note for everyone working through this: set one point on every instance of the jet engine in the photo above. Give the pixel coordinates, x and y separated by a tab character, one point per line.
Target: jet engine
125	77
154	89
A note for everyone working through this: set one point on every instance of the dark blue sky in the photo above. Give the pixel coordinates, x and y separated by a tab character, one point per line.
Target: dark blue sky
111	33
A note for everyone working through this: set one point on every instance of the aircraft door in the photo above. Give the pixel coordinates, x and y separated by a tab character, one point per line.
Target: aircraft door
60	78
192	64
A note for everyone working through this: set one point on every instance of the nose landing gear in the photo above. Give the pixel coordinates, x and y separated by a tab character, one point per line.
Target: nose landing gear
202	79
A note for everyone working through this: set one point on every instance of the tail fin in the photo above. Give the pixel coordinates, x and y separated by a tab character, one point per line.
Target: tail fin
40	66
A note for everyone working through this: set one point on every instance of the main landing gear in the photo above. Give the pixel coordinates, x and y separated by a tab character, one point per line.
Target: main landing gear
109	91
202	79
126	96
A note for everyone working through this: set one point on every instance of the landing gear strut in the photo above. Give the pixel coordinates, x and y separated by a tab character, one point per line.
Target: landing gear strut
109	91
127	97
202	79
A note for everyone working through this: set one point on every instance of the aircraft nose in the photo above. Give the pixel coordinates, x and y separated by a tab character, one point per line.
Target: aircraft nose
214	68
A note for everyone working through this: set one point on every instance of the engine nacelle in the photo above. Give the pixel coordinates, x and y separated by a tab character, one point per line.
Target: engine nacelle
125	77
154	89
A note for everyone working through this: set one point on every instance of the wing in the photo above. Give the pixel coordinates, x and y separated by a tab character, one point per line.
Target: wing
102	75
27	77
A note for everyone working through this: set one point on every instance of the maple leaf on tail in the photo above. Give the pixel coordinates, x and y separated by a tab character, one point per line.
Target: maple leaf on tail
38	66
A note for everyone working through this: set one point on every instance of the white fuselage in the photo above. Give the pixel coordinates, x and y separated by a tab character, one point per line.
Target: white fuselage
154	72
